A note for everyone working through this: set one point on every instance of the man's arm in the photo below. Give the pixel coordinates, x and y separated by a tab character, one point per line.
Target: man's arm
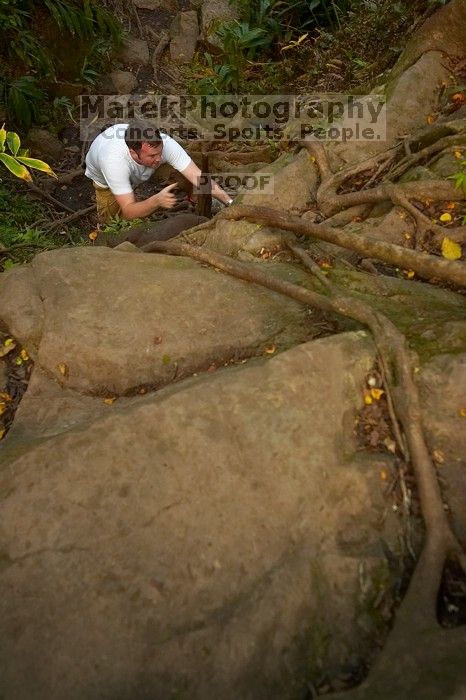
130	209
192	173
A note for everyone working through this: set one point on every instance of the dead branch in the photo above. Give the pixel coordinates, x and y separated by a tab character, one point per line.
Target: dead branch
425	265
72	217
48	197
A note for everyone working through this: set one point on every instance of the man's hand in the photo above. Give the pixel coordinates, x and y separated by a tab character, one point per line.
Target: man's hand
165	198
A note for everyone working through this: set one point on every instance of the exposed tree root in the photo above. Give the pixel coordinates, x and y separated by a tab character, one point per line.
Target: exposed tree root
418	610
425	265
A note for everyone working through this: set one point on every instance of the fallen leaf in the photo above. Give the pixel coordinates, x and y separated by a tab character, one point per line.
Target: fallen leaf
7	348
157	339
166	359
24	356
407	236
457	98
451	205
3	407
383	474
109	400
92	235
212	367
2	432
4	396
458	155
450	249
410	274
390	445
430	119
8	341
462	412
270	349
445	217
63	369
377	393
367	398
18	361
438	456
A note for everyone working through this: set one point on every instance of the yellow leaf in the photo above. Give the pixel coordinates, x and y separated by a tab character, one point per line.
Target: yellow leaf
407	236
109	400
4	396
24	356
462	412
410	274
92	235
377	393
445	217
367	399
18	361
270	349
458	155
2	407
438	456
63	369
450	249
8	341
2	432
430	119
383	474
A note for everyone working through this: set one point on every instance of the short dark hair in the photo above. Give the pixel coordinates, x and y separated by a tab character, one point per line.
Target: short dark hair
139	132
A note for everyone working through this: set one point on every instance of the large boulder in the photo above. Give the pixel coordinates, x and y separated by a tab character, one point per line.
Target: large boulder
118	320
203	541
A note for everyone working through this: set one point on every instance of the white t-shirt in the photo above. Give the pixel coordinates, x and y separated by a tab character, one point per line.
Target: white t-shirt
109	163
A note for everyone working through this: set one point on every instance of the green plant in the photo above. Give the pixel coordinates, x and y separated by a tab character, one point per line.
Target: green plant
459	179
28	63
17	161
117	224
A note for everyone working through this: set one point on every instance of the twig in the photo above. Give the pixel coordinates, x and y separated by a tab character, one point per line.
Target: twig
72	217
48	197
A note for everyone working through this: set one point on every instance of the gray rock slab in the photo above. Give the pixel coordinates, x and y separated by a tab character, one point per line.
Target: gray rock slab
44	144
124	81
213	11
204	540
410	100
135	51
443	394
184	35
444	31
120	320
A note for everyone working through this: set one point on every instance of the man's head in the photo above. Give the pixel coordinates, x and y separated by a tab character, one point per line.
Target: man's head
145	143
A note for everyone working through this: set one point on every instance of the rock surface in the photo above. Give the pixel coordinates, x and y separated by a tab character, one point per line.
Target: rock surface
184	35
203	541
44	144
124	81
175	317
135	51
215	11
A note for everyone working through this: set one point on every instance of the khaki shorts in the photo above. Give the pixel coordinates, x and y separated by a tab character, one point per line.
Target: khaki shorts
107	206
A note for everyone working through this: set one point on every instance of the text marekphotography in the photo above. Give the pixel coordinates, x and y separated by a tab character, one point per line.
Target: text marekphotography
237	118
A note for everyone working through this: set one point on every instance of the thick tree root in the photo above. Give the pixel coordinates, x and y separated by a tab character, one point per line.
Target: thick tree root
425	265
418	610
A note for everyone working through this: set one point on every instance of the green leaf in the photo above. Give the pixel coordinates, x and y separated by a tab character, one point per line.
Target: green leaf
37	164
16	168
3	133
13	141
